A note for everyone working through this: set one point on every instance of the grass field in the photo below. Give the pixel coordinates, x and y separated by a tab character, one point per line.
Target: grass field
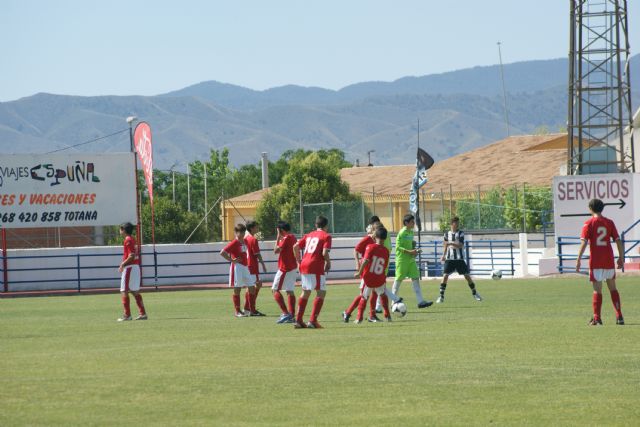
524	356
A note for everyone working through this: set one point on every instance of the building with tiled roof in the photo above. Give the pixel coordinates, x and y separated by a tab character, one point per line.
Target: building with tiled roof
531	160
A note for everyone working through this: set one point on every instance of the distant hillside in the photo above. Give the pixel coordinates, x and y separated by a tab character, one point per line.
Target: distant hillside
458	111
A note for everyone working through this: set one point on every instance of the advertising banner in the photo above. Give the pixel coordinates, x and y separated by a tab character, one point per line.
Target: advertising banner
142	142
61	190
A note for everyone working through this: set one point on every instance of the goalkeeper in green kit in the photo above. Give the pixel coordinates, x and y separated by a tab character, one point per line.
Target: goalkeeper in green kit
406	260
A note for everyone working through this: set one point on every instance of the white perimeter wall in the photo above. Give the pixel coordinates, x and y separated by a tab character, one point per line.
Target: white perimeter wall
57	268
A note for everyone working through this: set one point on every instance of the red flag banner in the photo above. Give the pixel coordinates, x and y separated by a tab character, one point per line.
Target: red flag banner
142	142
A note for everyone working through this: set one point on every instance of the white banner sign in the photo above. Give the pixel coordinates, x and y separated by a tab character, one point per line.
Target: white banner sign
58	190
619	192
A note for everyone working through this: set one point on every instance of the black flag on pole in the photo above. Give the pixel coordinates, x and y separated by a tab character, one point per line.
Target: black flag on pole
423	162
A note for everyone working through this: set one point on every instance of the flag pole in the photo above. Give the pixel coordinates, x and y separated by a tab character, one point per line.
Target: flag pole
418	219
130	121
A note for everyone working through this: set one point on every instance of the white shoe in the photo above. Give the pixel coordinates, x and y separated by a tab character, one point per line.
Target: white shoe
124	318
142	317
440	300
477	297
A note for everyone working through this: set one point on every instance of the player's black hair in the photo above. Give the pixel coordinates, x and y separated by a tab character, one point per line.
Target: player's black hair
455	219
240	228
251	225
407	219
321	221
127	227
381	233
373	219
596	205
282	225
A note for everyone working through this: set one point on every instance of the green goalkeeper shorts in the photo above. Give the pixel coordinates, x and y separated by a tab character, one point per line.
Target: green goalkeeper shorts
407	269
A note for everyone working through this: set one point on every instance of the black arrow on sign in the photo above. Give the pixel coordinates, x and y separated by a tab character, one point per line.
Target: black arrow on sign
621	203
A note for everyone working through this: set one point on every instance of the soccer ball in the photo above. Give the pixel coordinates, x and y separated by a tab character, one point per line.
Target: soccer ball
496	274
399	308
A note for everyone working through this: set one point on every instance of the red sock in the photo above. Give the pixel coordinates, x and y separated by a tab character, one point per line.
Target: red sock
139	303
125	303
247	303
615	299
597	305
292	304
302	304
278	297
354	304
362	304
373	301
236	302
317	306
385	305
252	303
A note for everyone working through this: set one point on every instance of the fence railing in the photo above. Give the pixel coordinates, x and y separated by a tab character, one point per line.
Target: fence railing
94	270
564	242
629	244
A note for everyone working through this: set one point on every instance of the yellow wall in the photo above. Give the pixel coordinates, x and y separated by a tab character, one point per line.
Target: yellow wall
390	213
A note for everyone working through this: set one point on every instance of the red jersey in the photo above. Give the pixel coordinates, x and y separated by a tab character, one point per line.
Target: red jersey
237	251
130	247
362	244
600	231
374	273
286	259
313	244
253	250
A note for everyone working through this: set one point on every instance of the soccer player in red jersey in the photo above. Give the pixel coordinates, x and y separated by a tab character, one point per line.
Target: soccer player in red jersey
373	273
239	277
285	277
313	268
130	279
358	253
253	257
599	231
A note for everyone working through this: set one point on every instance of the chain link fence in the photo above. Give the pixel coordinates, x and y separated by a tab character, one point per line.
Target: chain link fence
513	209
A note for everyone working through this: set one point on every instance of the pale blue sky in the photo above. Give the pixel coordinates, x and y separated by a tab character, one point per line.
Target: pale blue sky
146	47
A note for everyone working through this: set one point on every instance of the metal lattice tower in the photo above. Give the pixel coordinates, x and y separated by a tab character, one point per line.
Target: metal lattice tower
599	88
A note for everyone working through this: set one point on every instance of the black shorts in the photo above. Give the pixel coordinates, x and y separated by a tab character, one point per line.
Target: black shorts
457	265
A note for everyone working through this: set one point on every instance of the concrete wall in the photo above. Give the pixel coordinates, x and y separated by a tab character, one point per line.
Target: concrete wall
96	267
57	268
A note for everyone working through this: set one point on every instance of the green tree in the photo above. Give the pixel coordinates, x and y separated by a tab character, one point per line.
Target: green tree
221	178
317	174
173	224
491	212
541	130
533	203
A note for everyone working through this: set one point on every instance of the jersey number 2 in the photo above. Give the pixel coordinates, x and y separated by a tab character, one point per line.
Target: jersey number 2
602	235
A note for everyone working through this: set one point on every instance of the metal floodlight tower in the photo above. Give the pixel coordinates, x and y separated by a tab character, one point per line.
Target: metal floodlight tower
599	88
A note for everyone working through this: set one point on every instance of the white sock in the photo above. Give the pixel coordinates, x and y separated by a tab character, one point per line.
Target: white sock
417	290
396	286
392	297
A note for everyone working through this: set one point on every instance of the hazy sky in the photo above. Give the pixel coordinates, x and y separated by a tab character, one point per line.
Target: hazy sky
145	47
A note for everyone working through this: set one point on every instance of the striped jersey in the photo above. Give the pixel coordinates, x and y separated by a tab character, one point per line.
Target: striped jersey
454	237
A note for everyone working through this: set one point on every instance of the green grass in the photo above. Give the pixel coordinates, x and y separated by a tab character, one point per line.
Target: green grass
524	356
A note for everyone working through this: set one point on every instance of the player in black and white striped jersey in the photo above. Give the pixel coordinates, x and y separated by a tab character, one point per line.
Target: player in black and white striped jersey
453	257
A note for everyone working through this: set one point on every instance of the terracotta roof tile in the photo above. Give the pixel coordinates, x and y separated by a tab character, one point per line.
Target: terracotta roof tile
530	159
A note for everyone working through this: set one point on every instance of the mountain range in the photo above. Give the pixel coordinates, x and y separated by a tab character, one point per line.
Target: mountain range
458	111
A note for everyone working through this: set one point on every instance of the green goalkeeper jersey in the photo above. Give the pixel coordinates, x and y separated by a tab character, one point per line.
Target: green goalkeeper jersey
405	263
404	240
387	244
